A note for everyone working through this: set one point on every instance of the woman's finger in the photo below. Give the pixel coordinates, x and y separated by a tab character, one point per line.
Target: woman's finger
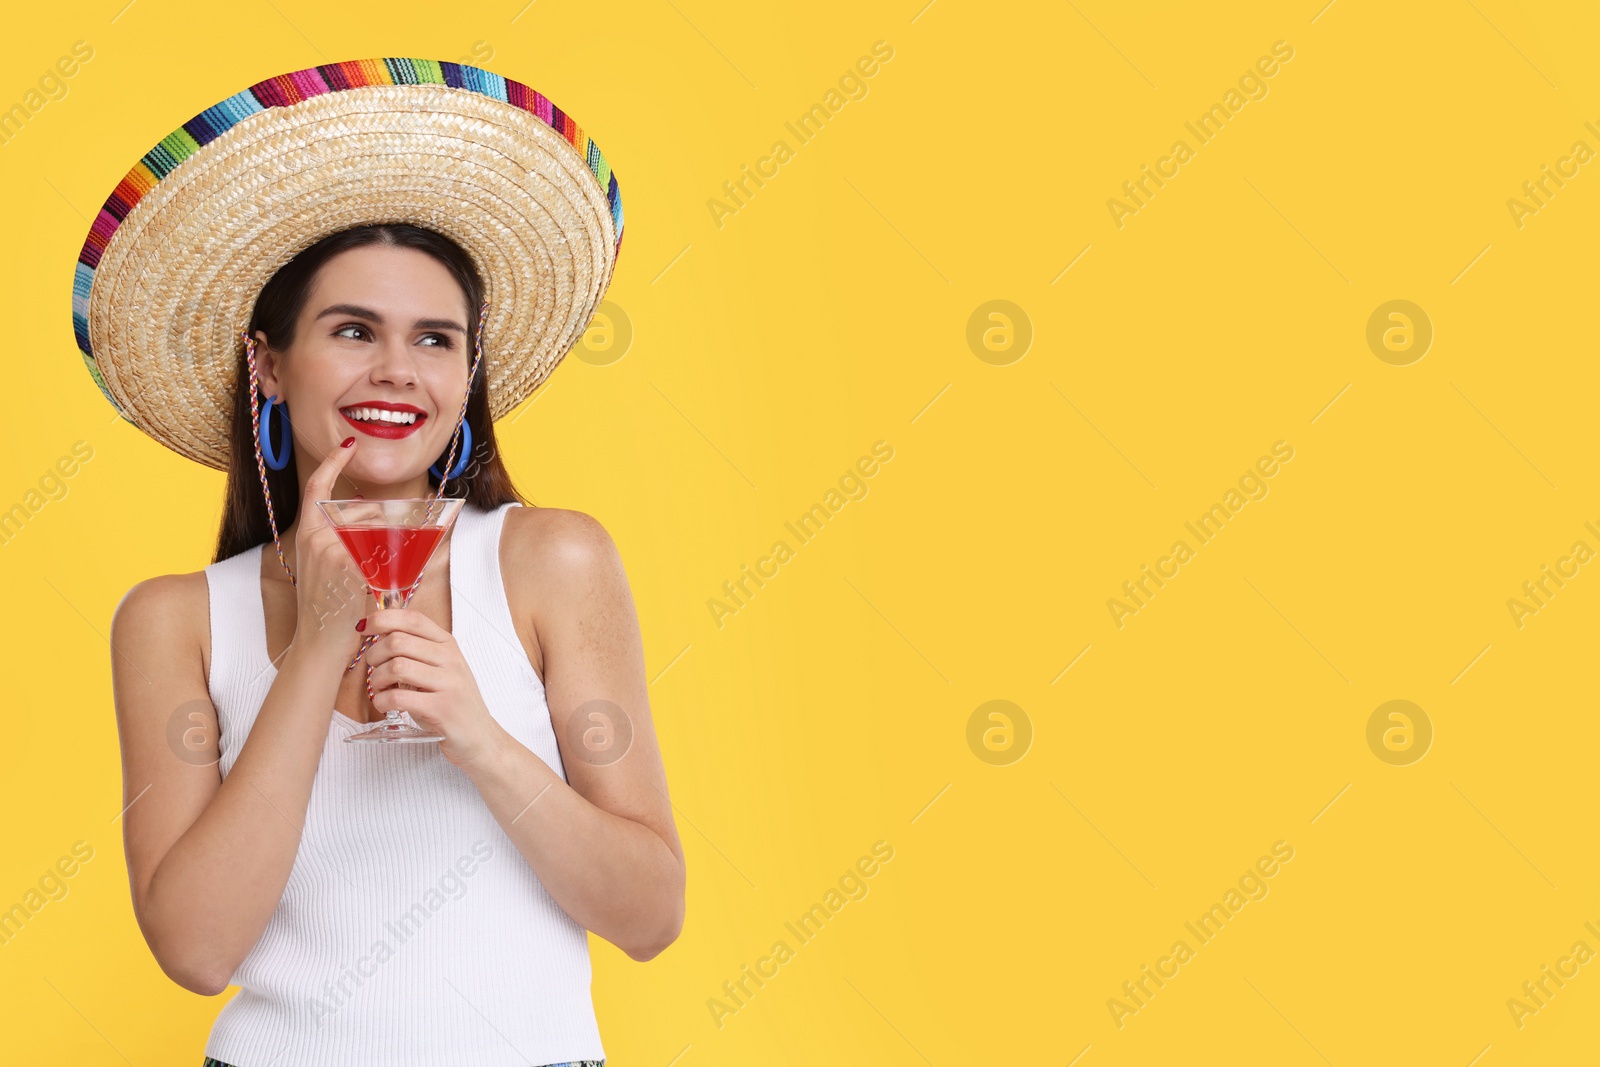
406	671
400	643
417	702
405	620
320	485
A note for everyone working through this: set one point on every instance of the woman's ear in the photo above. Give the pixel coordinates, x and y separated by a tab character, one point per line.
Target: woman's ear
267	367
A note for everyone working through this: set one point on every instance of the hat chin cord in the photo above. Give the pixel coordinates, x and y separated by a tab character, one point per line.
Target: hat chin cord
261	468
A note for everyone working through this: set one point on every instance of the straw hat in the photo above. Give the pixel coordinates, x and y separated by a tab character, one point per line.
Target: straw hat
172	266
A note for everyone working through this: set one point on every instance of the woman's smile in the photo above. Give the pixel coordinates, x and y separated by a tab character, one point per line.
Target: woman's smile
381	418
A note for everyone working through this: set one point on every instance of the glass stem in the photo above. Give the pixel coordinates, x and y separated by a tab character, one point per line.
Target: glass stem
392	598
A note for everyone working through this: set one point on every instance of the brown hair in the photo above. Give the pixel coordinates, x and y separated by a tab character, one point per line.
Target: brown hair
485	482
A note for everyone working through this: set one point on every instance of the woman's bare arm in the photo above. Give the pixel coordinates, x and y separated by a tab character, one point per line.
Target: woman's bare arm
208	859
605	846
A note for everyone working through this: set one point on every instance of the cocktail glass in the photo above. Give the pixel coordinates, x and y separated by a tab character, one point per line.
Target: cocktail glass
391	541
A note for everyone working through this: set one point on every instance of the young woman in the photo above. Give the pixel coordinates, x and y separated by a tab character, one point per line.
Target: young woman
386	904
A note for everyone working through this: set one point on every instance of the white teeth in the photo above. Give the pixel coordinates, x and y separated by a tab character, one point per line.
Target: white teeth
404	418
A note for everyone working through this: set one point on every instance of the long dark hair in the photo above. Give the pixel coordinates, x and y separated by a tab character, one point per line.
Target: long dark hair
485	482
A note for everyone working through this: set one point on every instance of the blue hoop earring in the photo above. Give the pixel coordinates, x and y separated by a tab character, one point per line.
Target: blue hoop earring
461	463
275	461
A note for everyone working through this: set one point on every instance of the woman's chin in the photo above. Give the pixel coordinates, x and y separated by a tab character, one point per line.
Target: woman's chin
378	477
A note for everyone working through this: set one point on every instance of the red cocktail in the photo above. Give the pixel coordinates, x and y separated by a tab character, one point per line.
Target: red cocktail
391	542
390	557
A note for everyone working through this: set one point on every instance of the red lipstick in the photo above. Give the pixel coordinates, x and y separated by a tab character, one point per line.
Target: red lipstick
387	430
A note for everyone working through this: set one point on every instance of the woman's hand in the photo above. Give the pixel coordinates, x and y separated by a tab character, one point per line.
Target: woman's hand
331	595
414	651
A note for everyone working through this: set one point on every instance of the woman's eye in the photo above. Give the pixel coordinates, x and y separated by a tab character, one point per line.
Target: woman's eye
443	341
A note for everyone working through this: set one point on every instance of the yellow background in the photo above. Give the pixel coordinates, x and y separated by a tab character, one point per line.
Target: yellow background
831	311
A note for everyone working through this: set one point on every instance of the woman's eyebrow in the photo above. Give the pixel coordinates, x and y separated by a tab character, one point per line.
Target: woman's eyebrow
359	312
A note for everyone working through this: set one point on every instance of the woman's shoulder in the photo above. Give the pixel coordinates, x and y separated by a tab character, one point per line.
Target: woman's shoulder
165	596
164	609
558	560
537	536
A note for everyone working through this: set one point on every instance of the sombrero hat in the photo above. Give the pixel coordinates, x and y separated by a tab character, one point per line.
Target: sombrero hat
169	275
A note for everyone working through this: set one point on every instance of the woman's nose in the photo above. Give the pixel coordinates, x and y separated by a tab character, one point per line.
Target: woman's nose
394	364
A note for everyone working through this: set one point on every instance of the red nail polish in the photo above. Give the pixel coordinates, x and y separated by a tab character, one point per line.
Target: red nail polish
362	625
347	442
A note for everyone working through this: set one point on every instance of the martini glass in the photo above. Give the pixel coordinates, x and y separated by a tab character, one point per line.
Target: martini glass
391	541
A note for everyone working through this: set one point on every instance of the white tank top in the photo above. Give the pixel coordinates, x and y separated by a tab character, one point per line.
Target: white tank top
411	931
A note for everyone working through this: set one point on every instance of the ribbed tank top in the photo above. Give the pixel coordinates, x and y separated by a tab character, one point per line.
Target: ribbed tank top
411	931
